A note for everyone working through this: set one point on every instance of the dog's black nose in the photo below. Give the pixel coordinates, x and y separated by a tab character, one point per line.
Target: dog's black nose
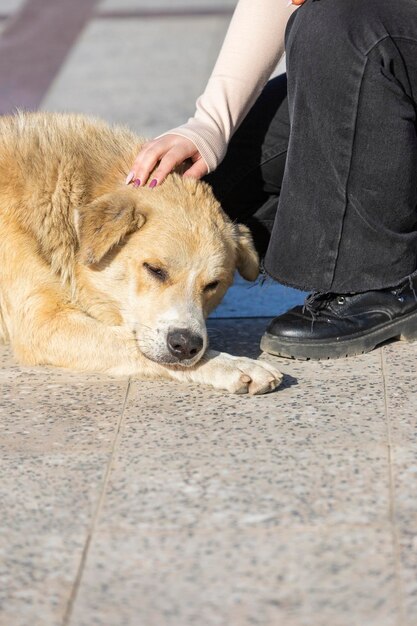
184	344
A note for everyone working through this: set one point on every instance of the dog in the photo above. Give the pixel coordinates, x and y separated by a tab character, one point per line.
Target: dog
99	276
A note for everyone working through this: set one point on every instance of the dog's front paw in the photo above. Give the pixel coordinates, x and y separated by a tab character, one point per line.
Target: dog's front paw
240	374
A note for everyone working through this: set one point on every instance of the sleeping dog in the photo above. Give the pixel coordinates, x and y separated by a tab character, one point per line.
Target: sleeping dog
98	276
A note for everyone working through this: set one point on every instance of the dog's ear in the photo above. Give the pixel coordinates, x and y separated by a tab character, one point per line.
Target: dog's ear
104	223
247	258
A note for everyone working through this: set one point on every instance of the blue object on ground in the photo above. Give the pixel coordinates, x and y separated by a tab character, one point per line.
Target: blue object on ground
267	299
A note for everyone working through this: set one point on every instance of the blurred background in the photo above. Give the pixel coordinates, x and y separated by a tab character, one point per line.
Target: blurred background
141	63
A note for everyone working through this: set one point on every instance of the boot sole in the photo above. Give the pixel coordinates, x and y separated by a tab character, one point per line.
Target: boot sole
404	328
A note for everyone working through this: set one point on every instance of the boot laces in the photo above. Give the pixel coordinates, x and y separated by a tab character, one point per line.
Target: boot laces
316	301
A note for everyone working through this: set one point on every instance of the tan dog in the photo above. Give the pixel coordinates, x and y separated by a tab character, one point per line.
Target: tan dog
97	276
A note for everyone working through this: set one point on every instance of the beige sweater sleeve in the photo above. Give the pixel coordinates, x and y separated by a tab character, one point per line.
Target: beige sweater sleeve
253	45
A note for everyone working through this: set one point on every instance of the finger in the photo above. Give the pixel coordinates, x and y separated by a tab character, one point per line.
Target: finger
197	170
144	163
298	2
168	162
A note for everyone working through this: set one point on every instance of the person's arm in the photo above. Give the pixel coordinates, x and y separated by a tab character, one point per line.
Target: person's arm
253	45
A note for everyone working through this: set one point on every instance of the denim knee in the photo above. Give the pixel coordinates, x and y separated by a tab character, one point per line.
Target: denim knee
323	31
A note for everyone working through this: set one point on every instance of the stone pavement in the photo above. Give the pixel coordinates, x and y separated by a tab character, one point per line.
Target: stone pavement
128	503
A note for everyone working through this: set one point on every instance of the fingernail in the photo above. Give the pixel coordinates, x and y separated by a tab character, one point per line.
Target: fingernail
136	182
130	177
153	183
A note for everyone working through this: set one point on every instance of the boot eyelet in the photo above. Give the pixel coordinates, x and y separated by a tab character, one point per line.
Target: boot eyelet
341	299
400	298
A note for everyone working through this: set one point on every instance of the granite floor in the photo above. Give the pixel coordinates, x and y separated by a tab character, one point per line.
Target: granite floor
129	503
144	503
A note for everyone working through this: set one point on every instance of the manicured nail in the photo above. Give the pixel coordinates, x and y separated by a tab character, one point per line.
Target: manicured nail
130	177
136	182
153	183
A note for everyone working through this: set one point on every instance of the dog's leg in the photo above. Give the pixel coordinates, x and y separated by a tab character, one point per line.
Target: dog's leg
232	373
48	332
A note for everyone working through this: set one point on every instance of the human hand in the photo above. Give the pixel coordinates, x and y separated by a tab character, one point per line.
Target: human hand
296	2
169	151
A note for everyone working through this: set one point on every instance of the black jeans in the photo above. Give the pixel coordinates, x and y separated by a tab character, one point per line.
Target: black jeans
324	167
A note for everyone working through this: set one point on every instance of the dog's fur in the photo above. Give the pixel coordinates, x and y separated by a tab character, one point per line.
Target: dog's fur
95	275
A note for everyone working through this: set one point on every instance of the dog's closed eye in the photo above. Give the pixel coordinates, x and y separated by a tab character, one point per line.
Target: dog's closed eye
157	272
212	286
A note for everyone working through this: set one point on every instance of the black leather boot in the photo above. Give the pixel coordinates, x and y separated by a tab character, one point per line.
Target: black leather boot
332	325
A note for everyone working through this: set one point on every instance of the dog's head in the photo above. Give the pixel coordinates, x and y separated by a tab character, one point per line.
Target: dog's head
165	257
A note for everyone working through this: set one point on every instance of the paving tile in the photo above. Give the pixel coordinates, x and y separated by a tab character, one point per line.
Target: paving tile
400	359
120	71
37	572
325	577
365	366
56	436
311	412
49	493
405	509
55	442
401	406
237	336
164	488
408	569
41	416
405	484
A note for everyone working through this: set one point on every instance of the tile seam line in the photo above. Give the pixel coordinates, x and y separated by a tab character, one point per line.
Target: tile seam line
96	515
392	508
